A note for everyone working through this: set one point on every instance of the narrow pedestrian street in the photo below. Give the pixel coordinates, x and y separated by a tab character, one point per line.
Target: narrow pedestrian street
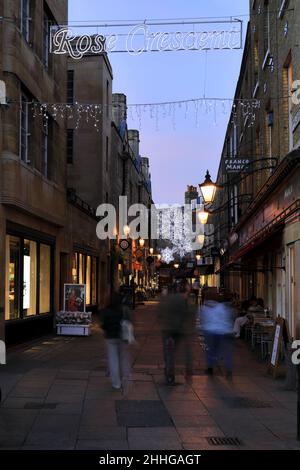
56	395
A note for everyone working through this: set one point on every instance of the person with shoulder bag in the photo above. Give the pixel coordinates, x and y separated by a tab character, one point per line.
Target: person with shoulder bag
117	348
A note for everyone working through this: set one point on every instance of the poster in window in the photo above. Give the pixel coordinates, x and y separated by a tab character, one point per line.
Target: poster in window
74	298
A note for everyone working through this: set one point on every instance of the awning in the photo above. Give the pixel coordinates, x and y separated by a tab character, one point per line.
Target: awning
238	268
266	232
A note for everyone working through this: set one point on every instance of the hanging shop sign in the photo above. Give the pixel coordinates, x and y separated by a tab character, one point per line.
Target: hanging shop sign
215	252
236	165
124	244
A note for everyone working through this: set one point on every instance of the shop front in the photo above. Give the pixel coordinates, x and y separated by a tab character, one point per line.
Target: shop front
29	282
85	271
266	252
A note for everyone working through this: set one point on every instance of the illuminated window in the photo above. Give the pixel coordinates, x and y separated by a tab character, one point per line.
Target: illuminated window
88	280
45	278
75	268
94	281
29	278
81	268
12	285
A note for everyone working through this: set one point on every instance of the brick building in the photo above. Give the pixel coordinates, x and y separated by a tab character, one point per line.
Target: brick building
257	226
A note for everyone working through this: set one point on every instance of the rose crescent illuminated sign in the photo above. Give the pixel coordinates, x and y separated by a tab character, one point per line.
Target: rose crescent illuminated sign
144	38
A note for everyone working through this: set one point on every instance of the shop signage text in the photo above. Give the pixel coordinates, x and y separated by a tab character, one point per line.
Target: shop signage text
146	38
236	165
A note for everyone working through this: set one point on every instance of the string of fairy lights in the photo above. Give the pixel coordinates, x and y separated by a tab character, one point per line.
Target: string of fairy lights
93	114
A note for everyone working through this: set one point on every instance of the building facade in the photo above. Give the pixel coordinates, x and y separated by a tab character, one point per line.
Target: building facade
257	226
54	173
32	167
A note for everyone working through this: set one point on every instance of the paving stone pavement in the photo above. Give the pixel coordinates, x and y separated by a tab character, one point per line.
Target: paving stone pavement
56	395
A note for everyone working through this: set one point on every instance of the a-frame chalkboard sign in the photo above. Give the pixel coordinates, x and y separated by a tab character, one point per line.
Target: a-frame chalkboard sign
280	337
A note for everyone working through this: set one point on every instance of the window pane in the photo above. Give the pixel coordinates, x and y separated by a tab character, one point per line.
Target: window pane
12	284
75	268
29	278
88	280
24	129
70	145
81	269
70	87
45	146
94	281
45	276
25	19
46	39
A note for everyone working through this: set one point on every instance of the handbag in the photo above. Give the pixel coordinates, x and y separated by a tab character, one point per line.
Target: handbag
127	332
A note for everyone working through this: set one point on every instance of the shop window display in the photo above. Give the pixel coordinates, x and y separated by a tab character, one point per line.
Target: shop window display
28	278
45	278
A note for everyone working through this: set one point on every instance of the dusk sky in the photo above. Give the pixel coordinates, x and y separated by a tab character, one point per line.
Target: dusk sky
178	156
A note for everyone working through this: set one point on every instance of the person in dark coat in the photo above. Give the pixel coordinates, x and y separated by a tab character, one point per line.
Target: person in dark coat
177	321
117	349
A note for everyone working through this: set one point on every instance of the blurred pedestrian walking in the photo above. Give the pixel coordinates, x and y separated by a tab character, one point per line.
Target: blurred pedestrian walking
196	290
177	316
117	348
217	324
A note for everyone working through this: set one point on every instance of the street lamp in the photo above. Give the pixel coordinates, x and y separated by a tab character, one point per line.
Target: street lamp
203	216
159	257
208	189
198	257
201	239
176	265
151	250
141	242
126	230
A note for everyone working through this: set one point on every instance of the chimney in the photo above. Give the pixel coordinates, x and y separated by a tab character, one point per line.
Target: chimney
119	109
134	142
145	167
190	194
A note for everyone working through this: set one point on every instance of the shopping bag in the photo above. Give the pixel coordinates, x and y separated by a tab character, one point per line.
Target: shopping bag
127	332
